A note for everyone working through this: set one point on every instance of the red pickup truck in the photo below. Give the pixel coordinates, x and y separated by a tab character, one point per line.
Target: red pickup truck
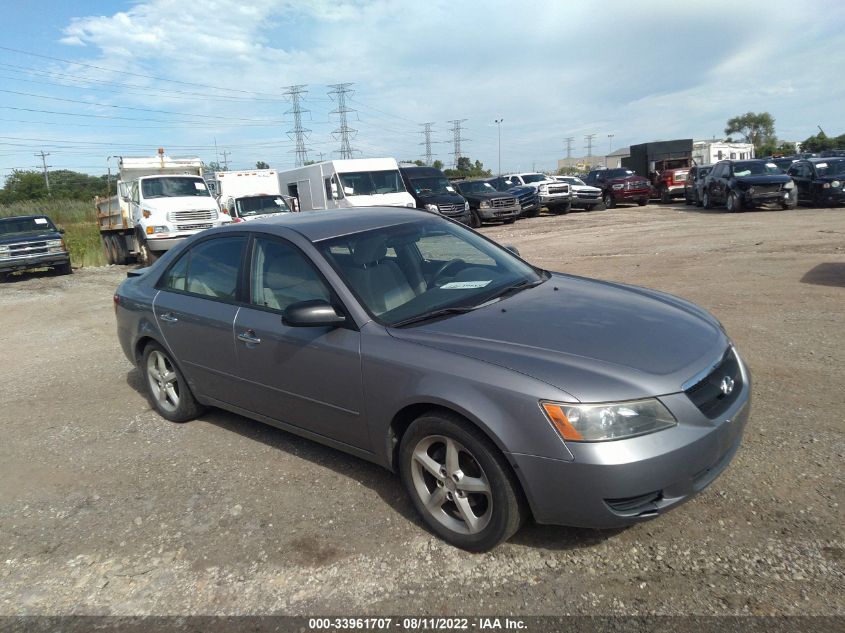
619	185
670	177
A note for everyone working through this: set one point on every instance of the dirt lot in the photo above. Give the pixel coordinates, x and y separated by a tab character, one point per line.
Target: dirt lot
106	508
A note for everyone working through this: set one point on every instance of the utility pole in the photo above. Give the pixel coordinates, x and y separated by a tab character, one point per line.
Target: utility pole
427	141
456	139
44	163
226	159
589	138
344	131
499	125
568	141
609	148
298	134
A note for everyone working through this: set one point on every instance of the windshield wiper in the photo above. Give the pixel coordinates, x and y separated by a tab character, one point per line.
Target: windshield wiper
517	287
425	316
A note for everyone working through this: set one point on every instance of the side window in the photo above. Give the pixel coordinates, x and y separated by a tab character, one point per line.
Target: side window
209	269
328	183
176	276
282	275
337	190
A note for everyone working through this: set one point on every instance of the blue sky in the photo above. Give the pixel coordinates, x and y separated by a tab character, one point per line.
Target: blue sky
123	78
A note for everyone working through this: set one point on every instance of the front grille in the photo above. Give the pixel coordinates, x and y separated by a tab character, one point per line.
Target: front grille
766	189
707	394
638	184
587	195
635	505
191	216
450	208
25	249
193	227
503	202
558	189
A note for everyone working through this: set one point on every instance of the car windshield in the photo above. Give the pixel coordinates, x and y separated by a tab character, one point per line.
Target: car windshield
433	184
260	205
173	187
755	168
535	177
424	269
12	226
831	167
619	173
475	186
572	180
368	183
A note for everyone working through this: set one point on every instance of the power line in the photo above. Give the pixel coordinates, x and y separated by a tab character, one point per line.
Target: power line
456	139
343	132
294	94
427	141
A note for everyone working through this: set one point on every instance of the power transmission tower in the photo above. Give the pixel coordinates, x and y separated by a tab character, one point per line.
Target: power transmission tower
568	141
344	131
226	159
44	163
589	138
298	134
457	139
427	141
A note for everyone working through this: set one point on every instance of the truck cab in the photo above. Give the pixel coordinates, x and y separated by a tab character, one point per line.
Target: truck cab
32	241
433	192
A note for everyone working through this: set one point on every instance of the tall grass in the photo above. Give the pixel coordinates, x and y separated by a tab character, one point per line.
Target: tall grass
79	220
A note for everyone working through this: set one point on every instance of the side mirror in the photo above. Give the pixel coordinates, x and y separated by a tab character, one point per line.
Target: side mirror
314	313
513	249
62	231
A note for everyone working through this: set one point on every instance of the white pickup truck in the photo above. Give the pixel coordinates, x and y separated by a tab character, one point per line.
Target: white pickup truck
159	202
554	195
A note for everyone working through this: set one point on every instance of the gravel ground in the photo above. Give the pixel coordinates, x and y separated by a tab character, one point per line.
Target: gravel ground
106	508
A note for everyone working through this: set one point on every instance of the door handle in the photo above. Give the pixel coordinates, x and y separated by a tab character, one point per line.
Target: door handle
168	317
249	337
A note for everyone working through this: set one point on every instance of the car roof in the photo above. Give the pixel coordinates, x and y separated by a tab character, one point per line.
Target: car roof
822	159
421	171
322	225
26	217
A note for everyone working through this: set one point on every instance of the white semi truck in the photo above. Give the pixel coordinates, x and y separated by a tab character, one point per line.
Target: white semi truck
347	183
250	194
159	202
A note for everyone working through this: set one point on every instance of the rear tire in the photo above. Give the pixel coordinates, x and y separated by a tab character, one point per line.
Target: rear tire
166	387
108	253
459	482
642	202
121	254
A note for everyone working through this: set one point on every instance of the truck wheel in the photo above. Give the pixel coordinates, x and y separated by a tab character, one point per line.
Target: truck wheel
474	220
121	255
642	202
108	253
589	207
510	220
664	196
148	257
609	201
64	269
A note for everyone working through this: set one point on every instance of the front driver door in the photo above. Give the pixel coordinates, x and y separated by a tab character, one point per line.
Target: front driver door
309	377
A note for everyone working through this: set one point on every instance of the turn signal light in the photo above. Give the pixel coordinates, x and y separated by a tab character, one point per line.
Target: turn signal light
561	422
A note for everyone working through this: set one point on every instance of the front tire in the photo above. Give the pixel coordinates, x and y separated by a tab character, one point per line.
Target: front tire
459	482
166	387
705	200
664	196
733	203
64	269
609	201
642	202
148	256
475	220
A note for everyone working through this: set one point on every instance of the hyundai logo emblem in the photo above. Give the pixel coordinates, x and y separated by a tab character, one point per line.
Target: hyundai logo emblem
727	385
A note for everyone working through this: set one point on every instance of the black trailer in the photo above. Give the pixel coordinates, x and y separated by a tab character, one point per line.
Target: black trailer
644	155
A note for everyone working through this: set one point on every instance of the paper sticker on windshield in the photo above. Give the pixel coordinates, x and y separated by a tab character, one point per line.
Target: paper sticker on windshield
450	189
40	221
200	186
772	165
821	165
464	285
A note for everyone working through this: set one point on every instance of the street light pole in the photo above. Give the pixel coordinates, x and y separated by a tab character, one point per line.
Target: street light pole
609	148
499	124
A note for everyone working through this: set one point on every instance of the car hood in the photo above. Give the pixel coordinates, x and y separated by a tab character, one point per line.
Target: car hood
595	341
440	198
30	236
584	189
487	196
768	179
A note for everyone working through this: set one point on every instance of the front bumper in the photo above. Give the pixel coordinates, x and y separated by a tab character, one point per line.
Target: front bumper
774	197
500	213
630	194
618	483
158	244
581	201
557	200
34	261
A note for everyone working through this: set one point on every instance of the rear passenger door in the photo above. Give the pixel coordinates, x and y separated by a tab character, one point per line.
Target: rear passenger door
309	377
195	310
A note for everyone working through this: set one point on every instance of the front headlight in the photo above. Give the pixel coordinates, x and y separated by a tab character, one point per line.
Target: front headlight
544	189
789	185
611	421
619	186
484	204
56	246
432	207
466	206
835	183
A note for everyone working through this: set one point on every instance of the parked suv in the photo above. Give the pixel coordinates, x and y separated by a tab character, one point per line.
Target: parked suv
529	198
486	204
740	184
32	241
819	181
620	185
555	196
432	191
694	185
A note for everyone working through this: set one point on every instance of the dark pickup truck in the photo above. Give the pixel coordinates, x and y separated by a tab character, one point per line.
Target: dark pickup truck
619	185
32	241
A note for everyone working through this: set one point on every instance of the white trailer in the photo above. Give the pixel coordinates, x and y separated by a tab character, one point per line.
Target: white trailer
159	202
250	194
711	152
347	183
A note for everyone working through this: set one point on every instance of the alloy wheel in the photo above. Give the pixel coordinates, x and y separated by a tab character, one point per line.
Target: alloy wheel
163	381
451	484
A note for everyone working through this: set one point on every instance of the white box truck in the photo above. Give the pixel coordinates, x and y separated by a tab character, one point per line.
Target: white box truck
250	194
159	202
347	183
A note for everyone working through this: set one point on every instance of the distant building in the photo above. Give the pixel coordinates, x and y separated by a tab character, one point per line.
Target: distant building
580	164
614	159
709	152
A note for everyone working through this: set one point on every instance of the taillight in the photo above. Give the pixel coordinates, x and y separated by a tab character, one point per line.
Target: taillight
116	300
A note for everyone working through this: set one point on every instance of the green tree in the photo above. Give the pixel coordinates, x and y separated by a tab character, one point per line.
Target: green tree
23	185
262	165
821	141
756	128
787	149
438	164
467	169
212	167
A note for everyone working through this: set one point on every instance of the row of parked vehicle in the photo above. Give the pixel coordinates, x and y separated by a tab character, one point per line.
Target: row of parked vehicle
743	184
